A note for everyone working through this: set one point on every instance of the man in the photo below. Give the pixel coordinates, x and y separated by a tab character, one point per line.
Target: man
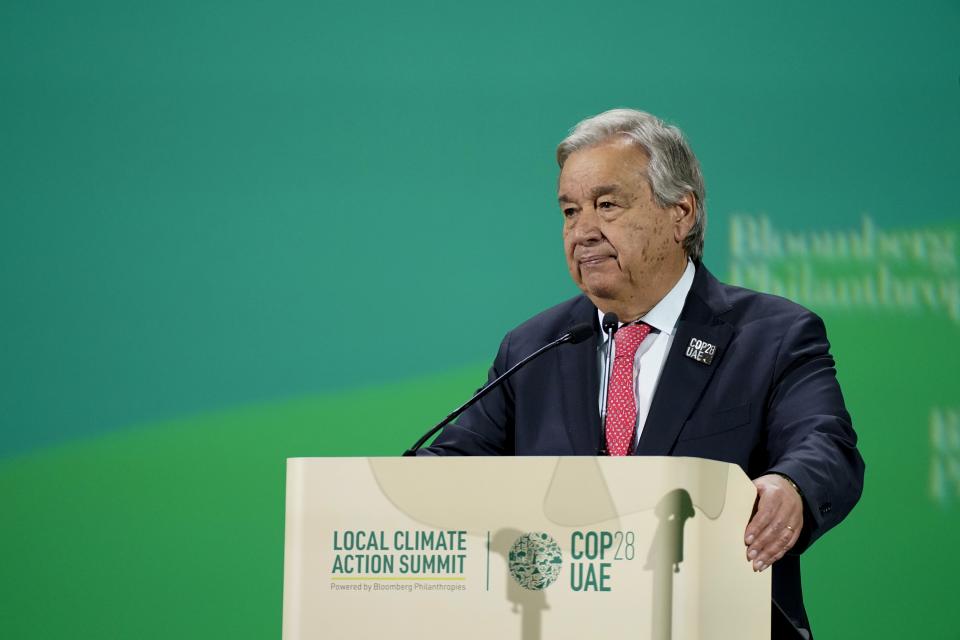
699	368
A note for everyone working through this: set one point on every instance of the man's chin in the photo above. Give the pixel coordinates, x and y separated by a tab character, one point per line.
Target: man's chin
597	289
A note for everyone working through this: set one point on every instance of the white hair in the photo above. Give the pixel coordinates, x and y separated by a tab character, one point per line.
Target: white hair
672	171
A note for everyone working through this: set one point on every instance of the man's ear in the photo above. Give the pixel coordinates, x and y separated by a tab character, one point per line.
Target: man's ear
684	214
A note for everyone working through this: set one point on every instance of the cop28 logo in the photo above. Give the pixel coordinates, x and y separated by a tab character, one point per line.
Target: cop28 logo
535	560
701	351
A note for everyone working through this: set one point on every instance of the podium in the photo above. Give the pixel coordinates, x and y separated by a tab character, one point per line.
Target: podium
520	547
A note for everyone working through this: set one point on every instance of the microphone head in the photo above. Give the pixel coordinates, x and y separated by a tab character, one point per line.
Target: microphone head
610	323
579	332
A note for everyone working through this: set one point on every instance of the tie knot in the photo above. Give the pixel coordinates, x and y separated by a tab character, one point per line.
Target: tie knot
628	339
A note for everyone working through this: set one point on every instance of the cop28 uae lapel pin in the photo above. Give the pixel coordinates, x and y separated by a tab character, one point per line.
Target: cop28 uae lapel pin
701	351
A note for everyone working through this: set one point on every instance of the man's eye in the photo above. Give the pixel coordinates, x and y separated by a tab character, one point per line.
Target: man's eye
606	205
568	212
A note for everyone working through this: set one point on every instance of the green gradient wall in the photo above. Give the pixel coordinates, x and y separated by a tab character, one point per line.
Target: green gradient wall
215	216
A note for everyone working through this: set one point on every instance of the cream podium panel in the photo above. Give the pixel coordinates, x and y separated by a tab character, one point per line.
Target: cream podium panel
524	547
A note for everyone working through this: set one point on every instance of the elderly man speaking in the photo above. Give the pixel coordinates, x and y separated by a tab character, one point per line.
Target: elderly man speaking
696	368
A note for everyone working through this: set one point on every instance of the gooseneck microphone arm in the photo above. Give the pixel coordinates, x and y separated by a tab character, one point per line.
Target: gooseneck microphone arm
609	326
577	333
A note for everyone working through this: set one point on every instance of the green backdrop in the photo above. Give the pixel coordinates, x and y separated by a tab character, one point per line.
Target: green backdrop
227	231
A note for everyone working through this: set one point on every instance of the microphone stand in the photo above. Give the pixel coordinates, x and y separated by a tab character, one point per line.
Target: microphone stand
608	326
578	333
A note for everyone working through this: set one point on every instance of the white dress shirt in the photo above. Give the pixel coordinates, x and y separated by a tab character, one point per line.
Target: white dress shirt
652	353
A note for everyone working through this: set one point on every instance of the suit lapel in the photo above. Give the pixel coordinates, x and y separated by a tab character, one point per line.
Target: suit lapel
580	385
680	387
683	378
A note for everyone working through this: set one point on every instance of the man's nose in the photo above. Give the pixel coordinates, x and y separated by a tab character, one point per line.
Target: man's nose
586	229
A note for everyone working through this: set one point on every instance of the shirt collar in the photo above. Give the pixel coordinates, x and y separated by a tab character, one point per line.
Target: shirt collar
665	314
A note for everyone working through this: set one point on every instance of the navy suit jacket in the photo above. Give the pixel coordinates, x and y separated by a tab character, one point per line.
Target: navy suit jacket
769	402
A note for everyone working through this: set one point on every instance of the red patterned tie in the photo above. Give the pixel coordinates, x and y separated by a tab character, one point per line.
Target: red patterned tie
621	405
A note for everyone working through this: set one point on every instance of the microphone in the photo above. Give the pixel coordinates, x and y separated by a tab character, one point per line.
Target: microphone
610	323
609	326
576	333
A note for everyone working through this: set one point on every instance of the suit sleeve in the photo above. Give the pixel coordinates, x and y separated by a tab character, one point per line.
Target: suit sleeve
810	437
486	428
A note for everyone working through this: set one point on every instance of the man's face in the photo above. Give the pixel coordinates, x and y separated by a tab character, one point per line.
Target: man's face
623	250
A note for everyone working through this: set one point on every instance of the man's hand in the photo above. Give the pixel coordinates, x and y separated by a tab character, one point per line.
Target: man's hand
776	522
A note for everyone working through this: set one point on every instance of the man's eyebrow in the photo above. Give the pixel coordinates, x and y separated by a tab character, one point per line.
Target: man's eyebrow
603	190
595	193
